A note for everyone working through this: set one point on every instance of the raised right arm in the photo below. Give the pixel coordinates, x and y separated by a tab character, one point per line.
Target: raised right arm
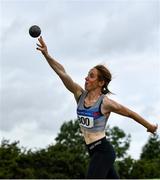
59	69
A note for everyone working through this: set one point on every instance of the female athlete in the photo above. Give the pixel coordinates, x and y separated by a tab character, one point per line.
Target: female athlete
93	111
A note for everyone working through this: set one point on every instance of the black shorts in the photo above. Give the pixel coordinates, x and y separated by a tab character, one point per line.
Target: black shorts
102	160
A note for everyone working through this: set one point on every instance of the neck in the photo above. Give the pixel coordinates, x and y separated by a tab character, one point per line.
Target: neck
94	94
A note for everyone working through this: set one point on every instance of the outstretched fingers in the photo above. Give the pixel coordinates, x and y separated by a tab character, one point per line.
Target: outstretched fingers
39	47
41	41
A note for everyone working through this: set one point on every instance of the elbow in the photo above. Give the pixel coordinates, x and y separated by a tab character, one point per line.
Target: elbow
131	114
127	112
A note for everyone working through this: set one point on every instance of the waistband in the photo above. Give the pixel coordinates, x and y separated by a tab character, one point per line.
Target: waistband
91	146
102	146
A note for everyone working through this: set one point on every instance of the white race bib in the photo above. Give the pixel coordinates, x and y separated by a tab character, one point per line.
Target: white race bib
86	121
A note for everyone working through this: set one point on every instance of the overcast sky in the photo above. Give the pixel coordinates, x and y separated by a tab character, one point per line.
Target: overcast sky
122	34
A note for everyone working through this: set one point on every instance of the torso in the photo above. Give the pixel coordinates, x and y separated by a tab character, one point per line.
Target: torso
91	137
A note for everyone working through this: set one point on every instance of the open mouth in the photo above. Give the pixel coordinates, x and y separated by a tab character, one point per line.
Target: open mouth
86	83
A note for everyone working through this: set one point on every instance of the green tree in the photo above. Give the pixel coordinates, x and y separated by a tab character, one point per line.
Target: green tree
148	166
151	149
125	167
145	169
72	141
119	140
66	159
71	137
68	162
10	155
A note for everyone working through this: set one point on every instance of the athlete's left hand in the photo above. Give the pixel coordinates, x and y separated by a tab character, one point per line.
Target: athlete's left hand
153	129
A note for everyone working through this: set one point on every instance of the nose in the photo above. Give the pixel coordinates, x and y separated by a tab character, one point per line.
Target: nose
86	78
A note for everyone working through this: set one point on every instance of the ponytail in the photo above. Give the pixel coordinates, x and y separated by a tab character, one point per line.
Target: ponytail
104	75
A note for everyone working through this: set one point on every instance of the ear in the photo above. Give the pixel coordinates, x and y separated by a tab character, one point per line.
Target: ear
101	83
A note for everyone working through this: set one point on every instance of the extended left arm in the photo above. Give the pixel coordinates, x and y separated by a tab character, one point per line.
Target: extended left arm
150	127
112	106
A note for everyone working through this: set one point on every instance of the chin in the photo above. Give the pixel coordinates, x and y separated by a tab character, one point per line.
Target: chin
85	87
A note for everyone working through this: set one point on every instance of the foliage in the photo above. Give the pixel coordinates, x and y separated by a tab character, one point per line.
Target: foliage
146	169
152	149
119	140
148	166
68	158
125	167
10	156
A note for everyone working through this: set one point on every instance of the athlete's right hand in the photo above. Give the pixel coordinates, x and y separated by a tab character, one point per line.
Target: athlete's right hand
42	46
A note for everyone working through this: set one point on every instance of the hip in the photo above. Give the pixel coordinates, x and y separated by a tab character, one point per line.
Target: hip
101	146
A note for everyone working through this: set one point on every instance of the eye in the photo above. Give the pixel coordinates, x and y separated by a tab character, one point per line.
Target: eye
92	75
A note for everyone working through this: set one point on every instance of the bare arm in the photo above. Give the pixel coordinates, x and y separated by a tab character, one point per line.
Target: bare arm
112	106
59	69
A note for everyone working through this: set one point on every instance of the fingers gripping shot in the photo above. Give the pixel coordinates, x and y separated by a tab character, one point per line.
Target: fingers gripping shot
93	110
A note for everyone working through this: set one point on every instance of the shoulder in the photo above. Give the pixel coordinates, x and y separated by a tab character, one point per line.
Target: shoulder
79	94
109	104
106	101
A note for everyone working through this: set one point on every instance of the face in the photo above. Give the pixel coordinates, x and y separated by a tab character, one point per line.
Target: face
91	81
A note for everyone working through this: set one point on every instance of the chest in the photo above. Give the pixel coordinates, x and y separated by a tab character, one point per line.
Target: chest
91	103
88	103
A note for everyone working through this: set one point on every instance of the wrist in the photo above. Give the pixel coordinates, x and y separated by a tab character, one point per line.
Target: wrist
152	128
149	127
46	55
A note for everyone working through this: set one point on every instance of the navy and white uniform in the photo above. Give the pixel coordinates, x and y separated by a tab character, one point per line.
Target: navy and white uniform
101	151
